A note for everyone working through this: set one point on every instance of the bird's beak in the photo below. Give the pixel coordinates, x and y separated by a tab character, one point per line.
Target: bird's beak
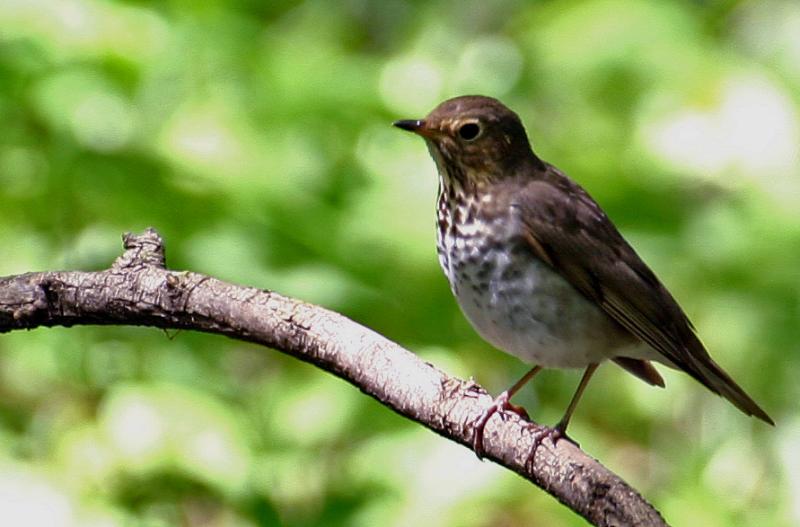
418	126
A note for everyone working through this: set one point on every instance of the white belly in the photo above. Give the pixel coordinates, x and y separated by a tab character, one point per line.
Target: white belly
520	305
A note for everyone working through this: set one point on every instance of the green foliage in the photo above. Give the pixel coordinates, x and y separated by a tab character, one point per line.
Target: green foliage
256	137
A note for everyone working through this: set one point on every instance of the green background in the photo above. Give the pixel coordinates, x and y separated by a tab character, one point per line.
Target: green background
256	137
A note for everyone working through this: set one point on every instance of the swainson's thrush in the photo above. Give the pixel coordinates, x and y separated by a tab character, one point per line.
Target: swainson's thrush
539	269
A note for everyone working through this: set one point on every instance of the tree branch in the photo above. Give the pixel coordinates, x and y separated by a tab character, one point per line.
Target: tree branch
139	290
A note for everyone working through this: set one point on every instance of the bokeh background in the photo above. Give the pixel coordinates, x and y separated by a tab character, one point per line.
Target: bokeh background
255	136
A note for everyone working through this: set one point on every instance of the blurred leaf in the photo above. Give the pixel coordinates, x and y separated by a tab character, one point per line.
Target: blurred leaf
256	136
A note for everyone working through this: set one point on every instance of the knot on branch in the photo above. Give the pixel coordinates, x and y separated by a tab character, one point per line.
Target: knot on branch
142	250
23	301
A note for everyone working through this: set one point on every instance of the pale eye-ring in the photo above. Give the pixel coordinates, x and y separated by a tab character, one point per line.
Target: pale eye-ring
469	131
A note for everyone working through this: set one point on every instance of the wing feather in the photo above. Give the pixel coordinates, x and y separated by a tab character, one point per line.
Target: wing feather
569	231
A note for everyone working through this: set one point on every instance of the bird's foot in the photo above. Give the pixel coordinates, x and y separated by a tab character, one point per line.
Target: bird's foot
501	406
554	434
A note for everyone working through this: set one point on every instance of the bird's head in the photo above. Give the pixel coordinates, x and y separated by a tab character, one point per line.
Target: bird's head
473	138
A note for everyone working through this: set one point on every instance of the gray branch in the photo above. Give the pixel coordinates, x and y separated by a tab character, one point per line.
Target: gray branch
139	290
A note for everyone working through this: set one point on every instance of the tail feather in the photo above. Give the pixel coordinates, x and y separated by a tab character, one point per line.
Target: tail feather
715	379
703	368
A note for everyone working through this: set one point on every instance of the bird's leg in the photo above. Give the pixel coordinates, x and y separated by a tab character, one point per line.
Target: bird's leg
560	430
501	404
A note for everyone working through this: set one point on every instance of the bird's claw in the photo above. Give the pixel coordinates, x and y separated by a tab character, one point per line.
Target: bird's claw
501	405
554	434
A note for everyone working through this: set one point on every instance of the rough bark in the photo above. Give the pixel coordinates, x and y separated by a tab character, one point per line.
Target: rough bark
139	290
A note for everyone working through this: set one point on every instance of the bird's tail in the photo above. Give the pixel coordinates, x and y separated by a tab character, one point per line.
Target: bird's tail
713	377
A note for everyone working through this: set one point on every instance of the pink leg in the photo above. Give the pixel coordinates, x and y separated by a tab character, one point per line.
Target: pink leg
501	404
560	430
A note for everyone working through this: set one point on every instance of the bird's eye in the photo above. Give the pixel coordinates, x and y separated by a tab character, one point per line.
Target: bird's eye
469	131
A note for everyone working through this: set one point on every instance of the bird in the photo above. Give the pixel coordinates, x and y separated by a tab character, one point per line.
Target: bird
539	269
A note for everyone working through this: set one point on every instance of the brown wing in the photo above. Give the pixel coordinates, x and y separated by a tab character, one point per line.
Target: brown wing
568	230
